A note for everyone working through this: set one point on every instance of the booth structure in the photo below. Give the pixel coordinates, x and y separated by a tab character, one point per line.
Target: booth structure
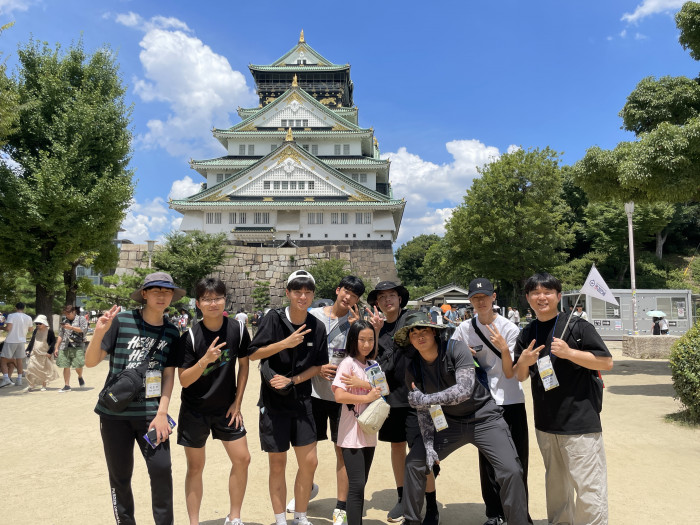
681	307
451	294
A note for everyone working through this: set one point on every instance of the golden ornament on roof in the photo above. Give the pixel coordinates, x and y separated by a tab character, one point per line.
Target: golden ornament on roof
301	37
289	137
294	81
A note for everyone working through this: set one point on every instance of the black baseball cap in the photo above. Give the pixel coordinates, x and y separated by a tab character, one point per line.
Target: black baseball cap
480	285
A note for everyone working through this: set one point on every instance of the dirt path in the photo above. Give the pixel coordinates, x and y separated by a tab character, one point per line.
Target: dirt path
53	469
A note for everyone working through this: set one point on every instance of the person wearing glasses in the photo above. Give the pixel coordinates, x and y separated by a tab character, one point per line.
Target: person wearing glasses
212	394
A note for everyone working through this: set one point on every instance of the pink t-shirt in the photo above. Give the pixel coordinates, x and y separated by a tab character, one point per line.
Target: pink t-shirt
349	433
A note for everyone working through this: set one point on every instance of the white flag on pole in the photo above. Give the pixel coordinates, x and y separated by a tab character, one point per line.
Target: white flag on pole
595	287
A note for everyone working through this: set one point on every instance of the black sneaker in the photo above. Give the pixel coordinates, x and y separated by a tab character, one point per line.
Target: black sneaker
81	381
432	517
396	514
64	389
495	521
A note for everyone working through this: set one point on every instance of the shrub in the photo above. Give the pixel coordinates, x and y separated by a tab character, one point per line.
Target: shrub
685	370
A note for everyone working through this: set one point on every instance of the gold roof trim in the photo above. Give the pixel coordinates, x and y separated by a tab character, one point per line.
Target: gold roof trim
289	137
301	37
294	81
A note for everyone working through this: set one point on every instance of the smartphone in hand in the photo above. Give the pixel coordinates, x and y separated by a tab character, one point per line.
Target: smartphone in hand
151	436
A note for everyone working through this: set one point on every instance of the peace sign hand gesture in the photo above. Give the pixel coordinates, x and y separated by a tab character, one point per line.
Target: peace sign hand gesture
497	339
296	337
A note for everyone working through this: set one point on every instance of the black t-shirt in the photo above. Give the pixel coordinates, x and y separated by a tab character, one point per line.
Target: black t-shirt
574	406
440	375
312	351
393	360
215	389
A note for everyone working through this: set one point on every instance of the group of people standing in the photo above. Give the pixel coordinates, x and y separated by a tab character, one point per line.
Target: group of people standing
446	388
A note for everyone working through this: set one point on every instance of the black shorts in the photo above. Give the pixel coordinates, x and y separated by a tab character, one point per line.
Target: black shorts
323	412
394	428
277	431
193	428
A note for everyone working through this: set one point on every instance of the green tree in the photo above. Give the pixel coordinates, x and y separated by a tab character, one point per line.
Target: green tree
261	295
327	274
9	114
190	256
410	256
442	267
73	186
662	164
511	221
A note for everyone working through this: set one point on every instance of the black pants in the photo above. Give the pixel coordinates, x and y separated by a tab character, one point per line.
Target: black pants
516	419
357	464
118	437
491	437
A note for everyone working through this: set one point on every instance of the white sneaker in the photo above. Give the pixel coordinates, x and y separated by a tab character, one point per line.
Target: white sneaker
340	517
314	493
234	521
303	521
5	381
18	382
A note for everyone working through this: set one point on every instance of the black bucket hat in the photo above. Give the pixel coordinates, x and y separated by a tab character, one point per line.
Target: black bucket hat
414	320
158	280
388	285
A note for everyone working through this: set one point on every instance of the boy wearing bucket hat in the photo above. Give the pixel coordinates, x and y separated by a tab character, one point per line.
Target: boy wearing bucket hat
128	338
401	427
450	401
291	345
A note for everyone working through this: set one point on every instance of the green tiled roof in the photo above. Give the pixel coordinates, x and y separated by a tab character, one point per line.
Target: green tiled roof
237	162
296	67
297	133
280	100
288	204
307	49
348	180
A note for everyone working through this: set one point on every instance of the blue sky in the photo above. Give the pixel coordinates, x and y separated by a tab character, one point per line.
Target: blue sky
447	86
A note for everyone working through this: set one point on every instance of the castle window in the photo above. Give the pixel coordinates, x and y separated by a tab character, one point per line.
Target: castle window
298	123
363	218
336	149
241	149
292	185
301	184
346	149
315	218
311	185
284	123
305	146
305	123
251	149
314	149
213	218
219	177
266	185
261	218
363	177
276	184
285	185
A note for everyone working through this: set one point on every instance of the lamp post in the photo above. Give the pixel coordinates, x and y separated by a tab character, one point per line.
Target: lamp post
629	210
151	245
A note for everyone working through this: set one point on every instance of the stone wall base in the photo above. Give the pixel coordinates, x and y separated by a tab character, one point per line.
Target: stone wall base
244	265
648	346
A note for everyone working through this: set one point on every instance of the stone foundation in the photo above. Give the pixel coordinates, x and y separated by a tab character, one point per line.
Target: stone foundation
244	265
648	346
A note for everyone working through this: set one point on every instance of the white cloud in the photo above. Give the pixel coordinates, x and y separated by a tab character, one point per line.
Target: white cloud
652	7
427	186
198	85
184	188
640	36
7	6
150	220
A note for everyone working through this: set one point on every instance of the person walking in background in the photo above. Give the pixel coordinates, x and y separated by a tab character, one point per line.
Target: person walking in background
16	325
352	388
130	339
663	326
580	313
212	395
71	346
656	326
41	369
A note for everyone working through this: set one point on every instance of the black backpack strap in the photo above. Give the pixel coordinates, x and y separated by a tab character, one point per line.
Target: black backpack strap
484	339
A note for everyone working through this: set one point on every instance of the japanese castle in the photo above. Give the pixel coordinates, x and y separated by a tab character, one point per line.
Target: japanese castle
298	169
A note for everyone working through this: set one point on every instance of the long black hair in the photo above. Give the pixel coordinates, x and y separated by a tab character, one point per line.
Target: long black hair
354	334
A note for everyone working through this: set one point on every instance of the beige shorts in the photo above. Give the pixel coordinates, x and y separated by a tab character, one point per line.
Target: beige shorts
13	351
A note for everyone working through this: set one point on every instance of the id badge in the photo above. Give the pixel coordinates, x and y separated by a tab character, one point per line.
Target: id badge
549	378
153	382
438	417
337	356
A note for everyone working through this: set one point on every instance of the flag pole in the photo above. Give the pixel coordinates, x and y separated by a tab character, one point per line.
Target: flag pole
570	316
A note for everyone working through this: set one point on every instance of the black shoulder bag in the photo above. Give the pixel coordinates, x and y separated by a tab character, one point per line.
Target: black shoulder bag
122	388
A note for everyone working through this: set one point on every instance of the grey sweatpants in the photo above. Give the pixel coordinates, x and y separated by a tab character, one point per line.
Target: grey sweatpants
492	438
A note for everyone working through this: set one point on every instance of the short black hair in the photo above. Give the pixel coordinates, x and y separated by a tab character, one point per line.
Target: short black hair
209	284
543	279
353	336
352	284
302	282
20	306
